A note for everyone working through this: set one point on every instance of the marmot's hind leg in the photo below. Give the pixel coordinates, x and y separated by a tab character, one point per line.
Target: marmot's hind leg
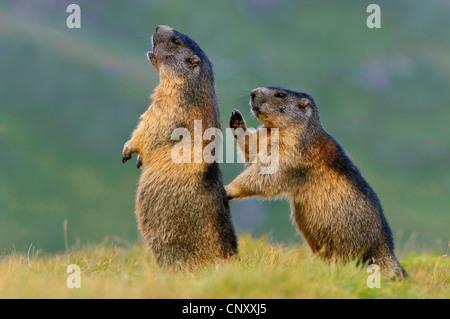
390	266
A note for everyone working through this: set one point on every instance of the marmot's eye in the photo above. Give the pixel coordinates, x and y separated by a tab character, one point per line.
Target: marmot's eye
176	41
281	95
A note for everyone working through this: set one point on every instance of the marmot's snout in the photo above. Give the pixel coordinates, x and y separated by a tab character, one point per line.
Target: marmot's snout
256	92
163	28
253	93
257	98
161	32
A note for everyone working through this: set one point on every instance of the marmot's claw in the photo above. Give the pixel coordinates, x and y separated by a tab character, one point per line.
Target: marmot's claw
236	120
126	152
139	162
125	158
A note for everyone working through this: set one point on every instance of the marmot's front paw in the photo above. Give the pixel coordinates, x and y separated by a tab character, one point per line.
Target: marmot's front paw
127	152
237	121
229	191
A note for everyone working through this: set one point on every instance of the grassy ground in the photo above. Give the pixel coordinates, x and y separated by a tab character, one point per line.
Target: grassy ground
263	270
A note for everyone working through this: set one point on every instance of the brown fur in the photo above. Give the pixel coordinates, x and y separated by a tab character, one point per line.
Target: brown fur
182	209
332	205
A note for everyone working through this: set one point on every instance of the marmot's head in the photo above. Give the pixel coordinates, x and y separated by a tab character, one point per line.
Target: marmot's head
276	107
176	55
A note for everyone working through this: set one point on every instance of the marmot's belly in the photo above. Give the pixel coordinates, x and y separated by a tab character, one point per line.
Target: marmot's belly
176	204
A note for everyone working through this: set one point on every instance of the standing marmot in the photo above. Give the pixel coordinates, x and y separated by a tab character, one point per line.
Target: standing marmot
333	206
182	209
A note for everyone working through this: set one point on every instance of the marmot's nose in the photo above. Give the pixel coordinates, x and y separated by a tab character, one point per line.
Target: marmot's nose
162	28
254	92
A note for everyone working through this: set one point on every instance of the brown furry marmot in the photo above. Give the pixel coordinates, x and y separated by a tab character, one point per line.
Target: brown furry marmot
332	205
182	208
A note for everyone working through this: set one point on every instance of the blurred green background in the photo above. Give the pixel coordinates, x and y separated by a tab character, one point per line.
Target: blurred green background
70	98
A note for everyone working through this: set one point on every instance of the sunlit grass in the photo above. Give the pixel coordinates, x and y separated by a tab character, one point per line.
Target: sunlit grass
262	270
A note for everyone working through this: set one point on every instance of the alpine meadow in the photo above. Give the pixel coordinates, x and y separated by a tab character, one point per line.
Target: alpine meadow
69	98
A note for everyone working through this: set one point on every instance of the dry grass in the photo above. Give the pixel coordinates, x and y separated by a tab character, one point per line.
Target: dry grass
263	270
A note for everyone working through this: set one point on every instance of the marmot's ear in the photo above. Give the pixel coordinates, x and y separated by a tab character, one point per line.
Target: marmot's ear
194	60
304	103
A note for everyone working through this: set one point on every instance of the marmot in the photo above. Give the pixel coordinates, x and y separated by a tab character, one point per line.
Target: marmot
332	205
182	208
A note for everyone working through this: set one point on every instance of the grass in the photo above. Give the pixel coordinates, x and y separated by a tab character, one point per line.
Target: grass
262	270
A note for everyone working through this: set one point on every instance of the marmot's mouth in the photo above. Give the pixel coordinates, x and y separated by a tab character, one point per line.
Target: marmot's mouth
149	56
255	108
